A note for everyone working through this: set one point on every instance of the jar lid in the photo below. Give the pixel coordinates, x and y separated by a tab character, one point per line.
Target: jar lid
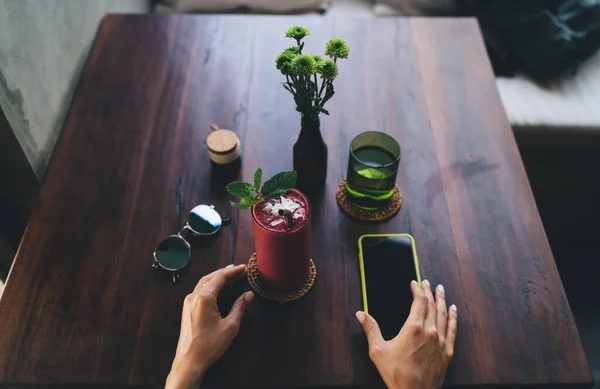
222	141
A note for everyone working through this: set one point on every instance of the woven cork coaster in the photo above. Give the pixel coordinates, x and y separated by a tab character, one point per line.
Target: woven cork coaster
274	295
392	208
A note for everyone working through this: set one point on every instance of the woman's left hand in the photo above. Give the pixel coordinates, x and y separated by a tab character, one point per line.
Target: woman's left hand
205	335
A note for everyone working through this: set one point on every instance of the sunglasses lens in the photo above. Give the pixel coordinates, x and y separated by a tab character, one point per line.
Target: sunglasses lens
204	220
173	253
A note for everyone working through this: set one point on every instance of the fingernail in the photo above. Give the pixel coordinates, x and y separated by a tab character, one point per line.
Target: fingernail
453	308
413	283
426	283
243	264
360	315
441	288
228	266
249	296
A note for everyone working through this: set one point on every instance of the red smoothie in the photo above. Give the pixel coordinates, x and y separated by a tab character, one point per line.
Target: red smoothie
282	242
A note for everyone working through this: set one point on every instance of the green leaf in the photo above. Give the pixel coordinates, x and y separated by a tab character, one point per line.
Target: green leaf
238	205
247	202
240	189
321	109
277	193
257	180
243	204
283	180
329	91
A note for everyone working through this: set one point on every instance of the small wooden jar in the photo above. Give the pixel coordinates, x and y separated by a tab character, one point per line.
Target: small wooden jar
223	146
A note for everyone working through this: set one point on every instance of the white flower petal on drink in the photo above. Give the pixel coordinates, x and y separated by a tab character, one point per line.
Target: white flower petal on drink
299	213
281	204
268	207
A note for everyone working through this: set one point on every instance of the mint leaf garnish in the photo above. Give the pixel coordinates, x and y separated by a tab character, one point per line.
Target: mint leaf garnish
247	202
283	180
257	179
250	194
240	189
277	193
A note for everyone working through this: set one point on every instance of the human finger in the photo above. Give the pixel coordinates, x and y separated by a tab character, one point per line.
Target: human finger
430	318
418	310
451	332
239	307
442	312
372	331
214	282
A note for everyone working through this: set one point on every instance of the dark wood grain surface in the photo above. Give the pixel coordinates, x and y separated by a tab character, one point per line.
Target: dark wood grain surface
83	306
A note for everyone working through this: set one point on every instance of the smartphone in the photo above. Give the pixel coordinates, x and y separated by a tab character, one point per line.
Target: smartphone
388	263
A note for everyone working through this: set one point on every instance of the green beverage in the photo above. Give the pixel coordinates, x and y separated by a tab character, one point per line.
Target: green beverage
372	170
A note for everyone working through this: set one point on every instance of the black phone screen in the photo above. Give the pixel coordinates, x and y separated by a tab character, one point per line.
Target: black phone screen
389	267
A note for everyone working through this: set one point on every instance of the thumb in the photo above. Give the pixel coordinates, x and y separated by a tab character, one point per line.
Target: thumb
239	307
371	328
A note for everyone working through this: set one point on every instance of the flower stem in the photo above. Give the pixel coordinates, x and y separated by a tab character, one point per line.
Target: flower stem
295	82
322	86
307	86
290	84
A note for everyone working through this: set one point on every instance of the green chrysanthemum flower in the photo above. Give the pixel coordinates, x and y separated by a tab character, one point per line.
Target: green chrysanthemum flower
293	50
318	59
297	32
304	64
337	48
328	70
286	69
283	58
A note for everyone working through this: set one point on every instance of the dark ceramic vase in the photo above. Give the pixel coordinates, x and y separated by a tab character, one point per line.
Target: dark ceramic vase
310	155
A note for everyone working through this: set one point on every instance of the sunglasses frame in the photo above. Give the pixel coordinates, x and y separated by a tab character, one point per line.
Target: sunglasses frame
175	272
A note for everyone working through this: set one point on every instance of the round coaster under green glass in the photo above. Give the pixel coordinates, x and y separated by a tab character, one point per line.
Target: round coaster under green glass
378	215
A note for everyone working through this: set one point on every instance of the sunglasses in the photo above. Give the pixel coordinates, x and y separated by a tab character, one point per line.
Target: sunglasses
174	252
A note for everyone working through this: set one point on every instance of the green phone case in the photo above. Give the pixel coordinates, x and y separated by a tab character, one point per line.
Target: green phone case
363	281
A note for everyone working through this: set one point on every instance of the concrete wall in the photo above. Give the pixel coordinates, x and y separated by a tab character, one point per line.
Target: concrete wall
43	44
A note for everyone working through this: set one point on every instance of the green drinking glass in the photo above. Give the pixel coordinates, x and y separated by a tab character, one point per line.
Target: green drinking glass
372	169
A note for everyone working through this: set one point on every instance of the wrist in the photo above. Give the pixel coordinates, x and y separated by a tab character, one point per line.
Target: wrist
176	380
401	385
184	376
399	379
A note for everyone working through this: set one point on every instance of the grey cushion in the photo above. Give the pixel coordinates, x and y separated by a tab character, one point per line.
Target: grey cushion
259	6
413	7
572	101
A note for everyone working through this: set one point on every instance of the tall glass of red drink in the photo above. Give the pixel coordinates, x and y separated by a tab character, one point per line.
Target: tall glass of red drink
282	240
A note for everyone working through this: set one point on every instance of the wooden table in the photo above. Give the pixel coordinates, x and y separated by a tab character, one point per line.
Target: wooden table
82	304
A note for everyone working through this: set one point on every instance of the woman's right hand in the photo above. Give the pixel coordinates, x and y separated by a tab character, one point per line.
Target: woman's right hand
418	357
